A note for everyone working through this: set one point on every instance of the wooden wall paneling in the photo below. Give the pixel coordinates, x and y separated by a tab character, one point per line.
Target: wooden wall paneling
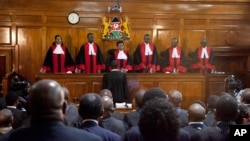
191	40
167	86
5	35
29	51
7	55
76	89
192	91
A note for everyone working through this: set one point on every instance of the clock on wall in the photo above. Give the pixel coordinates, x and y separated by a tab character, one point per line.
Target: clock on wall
73	18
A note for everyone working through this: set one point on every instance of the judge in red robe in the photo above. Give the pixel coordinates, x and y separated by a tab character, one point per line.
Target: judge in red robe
90	58
146	57
203	58
174	60
58	58
122	58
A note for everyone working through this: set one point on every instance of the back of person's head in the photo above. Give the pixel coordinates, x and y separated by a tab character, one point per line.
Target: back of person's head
114	64
106	92
108	106
243	115
245	96
6	118
196	113
153	93
66	93
46	101
90	106
226	108
139	98
211	101
201	103
159	121
11	98
175	97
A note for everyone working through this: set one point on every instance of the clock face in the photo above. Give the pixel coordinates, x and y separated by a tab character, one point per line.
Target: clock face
73	18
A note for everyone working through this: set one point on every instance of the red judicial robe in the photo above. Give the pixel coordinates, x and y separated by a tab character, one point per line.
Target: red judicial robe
90	63
170	63
141	60
127	64
207	62
58	63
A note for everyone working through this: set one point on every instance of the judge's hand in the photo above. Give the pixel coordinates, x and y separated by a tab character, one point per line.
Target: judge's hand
42	70
98	71
152	70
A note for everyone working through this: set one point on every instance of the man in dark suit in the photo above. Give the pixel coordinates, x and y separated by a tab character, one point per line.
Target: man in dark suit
91	109
6	120
196	114
109	122
132	118
175	97
47	107
226	113
12	100
115	114
134	133
116	82
210	117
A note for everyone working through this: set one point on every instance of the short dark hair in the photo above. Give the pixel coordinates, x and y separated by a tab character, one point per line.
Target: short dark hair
114	64
118	42
159	121
11	98
153	93
57	36
90	106
226	108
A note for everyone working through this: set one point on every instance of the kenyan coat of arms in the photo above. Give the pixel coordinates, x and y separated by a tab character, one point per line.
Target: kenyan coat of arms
115	28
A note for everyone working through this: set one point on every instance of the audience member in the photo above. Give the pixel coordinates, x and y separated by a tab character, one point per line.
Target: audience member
159	121
243	116
115	114
210	116
134	134
90	58
245	97
12	100
109	122
116	82
132	118
47	107
91	110
71	111
6	120
146	56
226	113
58	58
122	57
175	97
204	58
196	114
174	59
2	102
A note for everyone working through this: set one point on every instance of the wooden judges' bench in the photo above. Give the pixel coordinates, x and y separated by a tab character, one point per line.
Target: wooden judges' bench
193	86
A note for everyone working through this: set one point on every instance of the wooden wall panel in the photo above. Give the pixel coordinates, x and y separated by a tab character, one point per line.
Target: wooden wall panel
77	89
29	51
167	86
5	35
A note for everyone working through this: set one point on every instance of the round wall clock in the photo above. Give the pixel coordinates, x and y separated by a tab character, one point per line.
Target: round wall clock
73	18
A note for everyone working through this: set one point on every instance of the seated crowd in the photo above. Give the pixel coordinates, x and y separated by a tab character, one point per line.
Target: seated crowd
157	115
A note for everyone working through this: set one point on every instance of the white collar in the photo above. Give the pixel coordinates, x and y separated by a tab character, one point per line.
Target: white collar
122	55
58	49
91	49
175	53
93	120
148	51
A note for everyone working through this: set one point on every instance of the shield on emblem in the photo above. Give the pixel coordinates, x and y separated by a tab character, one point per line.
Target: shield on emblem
116	28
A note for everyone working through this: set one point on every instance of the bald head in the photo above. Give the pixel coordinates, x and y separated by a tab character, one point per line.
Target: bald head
6	118
245	96
107	103
46	100
90	106
196	113
106	92
175	97
66	93
139	97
